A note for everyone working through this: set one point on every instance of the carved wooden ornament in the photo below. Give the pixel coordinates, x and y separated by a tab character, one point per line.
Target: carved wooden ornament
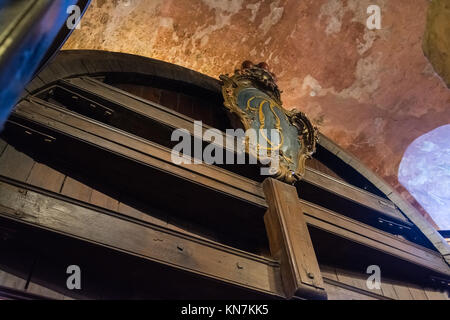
253	96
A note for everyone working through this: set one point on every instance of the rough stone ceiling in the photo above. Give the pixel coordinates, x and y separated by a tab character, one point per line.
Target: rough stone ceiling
372	91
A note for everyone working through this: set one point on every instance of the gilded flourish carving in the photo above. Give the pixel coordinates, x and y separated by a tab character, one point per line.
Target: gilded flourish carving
253	96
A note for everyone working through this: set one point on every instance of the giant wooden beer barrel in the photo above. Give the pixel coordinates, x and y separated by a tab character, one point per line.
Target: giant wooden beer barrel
87	180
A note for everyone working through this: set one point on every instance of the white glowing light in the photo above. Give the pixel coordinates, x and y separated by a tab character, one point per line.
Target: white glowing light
425	172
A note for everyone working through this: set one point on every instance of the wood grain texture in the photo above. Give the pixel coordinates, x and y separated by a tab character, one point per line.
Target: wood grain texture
154	155
11	281
37	289
402	291
104	201
353	279
315	215
161	245
411	212
352	286
132	212
146	92
352	193
337	292
319	166
77	190
122	158
72	62
15	164
328	272
45	177
170	100
290	241
3	145
433	294
176	120
417	292
181	104
361	233
388	290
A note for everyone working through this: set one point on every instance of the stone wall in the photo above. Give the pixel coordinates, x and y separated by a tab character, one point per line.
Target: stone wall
436	44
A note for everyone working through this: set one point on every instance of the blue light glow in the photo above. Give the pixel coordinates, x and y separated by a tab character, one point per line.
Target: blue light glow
425	172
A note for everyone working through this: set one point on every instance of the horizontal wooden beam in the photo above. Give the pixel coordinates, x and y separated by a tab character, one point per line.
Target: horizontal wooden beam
232	205
372	238
407	208
176	120
148	109
354	194
290	242
168	247
214	178
139	149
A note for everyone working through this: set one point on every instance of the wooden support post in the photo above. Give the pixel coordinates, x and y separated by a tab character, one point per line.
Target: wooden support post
290	242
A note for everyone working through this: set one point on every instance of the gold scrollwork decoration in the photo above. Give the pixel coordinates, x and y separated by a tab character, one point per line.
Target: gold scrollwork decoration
259	78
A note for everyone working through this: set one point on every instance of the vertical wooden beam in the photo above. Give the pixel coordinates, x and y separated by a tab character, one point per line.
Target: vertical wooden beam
290	242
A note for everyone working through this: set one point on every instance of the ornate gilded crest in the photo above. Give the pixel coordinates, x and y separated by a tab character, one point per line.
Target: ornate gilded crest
253	96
